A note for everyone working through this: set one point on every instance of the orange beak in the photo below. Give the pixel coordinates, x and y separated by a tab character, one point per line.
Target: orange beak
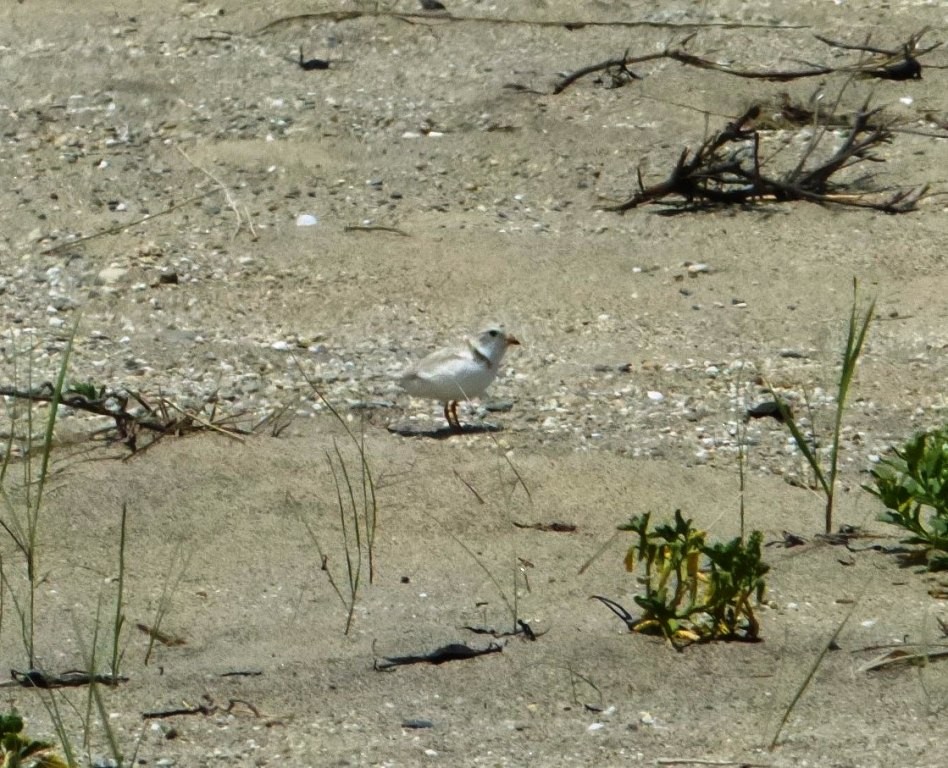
511	339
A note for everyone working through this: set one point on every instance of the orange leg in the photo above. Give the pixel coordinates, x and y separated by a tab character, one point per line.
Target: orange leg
451	415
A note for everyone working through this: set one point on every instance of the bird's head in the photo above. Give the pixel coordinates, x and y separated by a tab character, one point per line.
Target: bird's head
493	341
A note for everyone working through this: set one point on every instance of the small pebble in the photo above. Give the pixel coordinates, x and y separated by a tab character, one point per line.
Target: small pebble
417	723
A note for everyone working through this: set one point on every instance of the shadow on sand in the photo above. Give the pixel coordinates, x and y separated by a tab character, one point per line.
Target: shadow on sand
404	429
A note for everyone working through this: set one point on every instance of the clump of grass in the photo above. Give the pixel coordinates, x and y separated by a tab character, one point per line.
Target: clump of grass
511	601
95	694
171	582
357	510
94	698
22	512
357	541
826	474
518	577
913	486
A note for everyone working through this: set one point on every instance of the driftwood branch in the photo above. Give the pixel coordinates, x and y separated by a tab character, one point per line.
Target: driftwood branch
726	169
34	678
691	60
898	64
570	24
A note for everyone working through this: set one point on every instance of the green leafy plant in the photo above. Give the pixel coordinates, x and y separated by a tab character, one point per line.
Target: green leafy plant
19	751
85	388
826	474
694	590
736	576
913	486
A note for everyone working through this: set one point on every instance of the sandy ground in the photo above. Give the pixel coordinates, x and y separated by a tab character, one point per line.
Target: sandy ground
497	190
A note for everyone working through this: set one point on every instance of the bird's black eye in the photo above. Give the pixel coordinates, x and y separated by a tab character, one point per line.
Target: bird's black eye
494	333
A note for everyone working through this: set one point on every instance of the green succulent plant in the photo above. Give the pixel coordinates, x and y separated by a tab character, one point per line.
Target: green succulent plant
19	751
913	486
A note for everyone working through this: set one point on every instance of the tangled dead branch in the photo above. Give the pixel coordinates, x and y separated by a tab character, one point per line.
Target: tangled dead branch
726	169
132	415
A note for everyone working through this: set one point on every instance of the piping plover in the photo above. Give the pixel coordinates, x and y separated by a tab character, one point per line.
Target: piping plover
459	373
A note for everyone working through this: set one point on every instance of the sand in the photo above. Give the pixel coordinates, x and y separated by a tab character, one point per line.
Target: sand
627	395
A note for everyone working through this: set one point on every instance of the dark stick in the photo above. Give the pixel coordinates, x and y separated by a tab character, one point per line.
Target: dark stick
622	62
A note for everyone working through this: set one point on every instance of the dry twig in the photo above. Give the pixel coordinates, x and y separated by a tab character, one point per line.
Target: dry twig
374	228
122	227
231	202
904	656
206	707
702	761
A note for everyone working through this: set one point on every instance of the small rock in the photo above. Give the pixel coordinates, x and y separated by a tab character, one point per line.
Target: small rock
417	723
110	275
